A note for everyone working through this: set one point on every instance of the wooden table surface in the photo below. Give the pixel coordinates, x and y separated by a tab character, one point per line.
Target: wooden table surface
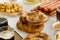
17	37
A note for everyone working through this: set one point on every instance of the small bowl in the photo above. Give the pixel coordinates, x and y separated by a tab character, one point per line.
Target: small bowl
56	24
57	34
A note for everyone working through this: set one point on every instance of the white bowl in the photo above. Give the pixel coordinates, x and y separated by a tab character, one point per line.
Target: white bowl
56	34
56	24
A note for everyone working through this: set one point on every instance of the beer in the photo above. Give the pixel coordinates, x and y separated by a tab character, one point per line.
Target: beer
58	13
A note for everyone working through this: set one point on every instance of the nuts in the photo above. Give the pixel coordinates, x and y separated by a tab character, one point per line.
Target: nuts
10	8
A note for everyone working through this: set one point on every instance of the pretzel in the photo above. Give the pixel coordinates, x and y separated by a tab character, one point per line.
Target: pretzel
38	36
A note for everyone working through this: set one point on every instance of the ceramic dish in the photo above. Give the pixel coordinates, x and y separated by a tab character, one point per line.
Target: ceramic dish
57	36
10	9
55	25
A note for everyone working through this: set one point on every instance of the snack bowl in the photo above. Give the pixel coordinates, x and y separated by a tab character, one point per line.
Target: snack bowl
11	9
56	26
7	35
57	36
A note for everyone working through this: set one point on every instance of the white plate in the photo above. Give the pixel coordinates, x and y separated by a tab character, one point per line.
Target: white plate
58	32
56	24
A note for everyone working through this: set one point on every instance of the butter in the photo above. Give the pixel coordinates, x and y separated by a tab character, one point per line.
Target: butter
58	39
58	35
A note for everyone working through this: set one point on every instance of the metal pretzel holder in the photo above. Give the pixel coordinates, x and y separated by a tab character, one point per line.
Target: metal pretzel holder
3	24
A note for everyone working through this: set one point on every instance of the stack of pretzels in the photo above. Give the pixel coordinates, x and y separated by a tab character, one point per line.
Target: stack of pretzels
32	21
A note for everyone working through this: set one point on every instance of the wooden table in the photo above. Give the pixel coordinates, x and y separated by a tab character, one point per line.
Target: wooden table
17	37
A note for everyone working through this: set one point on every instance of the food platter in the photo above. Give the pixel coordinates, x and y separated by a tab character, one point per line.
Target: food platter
47	26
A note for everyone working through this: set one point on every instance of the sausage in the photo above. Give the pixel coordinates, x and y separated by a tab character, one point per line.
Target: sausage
54	7
40	6
47	8
47	5
52	13
43	4
51	3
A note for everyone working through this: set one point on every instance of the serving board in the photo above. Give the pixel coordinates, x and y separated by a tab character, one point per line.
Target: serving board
13	20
